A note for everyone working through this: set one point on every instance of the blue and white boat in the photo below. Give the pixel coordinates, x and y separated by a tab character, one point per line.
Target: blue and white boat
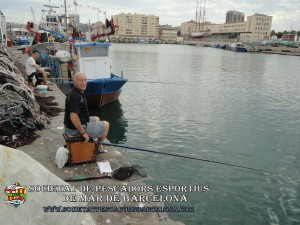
92	58
19	36
238	47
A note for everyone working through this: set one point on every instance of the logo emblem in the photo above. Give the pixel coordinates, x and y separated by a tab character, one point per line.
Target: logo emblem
16	194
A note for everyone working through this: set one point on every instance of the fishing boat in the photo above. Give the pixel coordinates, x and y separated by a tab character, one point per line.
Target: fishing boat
50	27
19	36
238	47
92	58
142	41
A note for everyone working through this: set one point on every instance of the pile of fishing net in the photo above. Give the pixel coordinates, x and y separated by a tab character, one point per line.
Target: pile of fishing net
21	116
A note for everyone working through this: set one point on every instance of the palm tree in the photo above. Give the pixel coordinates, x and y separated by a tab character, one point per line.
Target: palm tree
279	35
273	33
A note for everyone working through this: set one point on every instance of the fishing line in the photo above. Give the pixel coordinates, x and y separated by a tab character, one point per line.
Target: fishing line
190	157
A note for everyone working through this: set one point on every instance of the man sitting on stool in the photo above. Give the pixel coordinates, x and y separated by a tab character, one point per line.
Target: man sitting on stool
35	74
77	120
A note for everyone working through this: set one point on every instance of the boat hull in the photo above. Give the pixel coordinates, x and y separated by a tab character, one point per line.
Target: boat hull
99	100
103	91
238	49
200	34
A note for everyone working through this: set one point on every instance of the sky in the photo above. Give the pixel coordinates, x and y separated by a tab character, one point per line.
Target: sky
286	13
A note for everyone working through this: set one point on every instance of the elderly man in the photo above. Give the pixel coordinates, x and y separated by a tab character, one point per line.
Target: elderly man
35	74
77	120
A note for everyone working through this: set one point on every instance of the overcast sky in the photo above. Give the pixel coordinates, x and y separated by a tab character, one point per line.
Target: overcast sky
286	13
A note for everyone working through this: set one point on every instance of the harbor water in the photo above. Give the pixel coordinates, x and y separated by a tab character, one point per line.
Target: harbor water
235	108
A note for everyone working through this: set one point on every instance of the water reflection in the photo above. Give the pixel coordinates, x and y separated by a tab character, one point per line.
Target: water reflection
113	113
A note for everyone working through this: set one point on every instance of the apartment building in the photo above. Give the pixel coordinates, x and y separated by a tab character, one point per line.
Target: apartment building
137	25
98	28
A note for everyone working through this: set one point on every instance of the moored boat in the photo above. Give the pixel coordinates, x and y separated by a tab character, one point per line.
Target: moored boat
92	58
49	29
238	47
200	34
103	87
199	30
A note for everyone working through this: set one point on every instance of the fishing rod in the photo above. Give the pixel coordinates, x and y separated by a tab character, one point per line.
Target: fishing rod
129	81
189	157
155	82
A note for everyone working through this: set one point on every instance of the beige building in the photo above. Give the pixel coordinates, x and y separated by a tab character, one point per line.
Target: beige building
257	27
137	25
227	28
167	33
98	28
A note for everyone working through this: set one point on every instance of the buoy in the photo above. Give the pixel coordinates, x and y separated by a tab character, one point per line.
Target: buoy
27	50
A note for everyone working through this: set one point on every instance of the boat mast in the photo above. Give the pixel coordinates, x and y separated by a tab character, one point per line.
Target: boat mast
65	4
203	18
200	16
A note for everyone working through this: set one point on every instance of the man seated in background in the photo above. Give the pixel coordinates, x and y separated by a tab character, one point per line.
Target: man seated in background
35	74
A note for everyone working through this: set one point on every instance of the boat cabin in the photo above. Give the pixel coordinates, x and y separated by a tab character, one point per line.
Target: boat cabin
92	59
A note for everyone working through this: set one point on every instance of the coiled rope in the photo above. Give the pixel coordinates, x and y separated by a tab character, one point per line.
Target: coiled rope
20	114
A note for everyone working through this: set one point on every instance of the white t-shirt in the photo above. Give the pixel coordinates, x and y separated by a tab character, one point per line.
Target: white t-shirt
29	66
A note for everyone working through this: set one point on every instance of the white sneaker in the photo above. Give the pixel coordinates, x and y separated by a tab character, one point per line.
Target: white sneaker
101	149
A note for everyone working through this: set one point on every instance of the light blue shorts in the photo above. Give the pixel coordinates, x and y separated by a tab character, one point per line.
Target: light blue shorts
93	128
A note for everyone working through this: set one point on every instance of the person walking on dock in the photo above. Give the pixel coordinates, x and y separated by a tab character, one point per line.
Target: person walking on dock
35	74
77	120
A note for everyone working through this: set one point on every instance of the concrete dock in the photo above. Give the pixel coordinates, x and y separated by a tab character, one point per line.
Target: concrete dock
44	149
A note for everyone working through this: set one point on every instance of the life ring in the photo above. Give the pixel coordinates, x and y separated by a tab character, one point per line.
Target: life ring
87	50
